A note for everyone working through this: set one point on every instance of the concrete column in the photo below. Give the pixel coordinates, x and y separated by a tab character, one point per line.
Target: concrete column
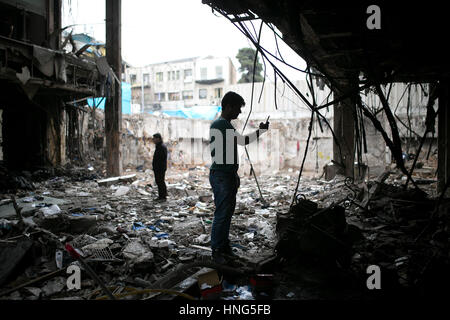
1	135
54	23
443	136
113	107
344	129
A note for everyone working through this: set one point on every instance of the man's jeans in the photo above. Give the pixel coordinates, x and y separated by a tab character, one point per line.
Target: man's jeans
225	186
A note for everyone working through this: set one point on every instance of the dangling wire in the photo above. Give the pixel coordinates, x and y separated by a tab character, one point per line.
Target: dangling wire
253	82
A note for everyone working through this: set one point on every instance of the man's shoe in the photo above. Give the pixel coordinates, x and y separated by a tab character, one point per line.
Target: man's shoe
219	257
228	251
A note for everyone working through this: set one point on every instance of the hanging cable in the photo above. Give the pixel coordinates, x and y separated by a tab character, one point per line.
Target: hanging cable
245	31
304	158
253	82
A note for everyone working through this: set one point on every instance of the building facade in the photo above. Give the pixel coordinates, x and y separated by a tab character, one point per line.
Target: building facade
198	81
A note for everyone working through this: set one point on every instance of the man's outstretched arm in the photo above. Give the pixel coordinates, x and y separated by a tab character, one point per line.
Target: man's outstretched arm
247	139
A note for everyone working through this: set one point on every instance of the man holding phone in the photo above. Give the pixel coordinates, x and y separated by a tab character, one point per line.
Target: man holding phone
223	172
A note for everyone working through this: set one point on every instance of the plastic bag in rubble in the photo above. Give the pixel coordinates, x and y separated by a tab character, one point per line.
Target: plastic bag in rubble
264	228
244	293
121	191
202	207
52	210
202	239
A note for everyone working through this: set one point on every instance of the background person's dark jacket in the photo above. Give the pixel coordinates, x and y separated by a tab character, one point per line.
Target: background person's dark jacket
160	158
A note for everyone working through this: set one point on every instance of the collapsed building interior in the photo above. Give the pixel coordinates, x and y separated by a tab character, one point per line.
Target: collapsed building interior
323	238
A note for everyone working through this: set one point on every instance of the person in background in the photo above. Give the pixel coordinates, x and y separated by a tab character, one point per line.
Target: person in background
160	166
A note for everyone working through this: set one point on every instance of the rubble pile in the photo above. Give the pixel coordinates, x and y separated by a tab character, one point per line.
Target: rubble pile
351	226
309	232
407	235
124	235
12	182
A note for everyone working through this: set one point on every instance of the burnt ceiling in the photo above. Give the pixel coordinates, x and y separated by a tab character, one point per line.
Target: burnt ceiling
334	38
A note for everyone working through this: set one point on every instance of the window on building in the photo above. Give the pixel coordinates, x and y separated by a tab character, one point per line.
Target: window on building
202	93
159	76
172	75
219	72
173	96
203	73
188	95
218	93
146	79
178	74
132	78
160	96
188	75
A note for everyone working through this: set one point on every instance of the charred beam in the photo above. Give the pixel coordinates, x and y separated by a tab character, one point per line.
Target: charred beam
113	108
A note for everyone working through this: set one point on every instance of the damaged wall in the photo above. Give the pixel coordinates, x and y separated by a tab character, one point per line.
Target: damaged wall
187	141
408	103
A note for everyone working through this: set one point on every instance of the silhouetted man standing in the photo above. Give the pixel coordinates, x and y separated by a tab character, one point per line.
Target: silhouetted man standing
160	166
223	172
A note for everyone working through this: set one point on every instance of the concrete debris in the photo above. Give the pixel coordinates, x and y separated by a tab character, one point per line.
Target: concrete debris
137	254
34	291
54	286
126	235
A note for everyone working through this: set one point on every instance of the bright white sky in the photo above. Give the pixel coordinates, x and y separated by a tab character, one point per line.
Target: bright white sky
156	31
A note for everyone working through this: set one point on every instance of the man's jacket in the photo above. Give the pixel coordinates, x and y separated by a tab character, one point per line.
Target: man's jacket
160	158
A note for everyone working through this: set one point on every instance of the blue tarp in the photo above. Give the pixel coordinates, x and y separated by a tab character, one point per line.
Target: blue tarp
195	112
82	37
126	99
